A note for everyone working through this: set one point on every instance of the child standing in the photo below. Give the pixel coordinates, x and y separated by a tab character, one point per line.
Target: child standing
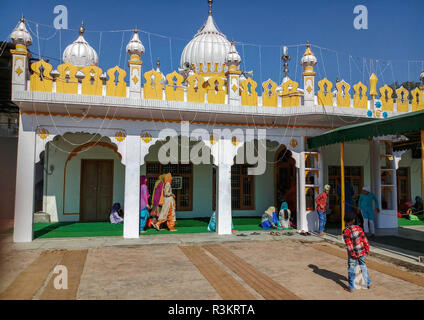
321	202
357	249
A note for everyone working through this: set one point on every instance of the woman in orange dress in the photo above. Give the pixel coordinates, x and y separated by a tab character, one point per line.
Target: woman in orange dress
168	209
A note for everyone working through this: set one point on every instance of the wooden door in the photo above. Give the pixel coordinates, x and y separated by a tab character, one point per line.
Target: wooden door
96	190
403	189
285	183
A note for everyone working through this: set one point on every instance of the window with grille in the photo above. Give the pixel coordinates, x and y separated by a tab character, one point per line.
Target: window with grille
242	188
183	195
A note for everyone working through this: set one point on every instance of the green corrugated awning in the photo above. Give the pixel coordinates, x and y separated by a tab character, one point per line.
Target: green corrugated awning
396	125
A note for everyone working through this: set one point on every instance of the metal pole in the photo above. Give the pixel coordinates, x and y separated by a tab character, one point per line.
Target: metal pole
343	182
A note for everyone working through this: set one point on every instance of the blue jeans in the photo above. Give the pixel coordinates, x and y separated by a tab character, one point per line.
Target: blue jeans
351	263
322	220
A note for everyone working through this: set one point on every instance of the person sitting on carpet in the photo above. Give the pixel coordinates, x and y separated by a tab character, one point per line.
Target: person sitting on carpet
284	216
417	208
212	223
115	217
269	219
168	209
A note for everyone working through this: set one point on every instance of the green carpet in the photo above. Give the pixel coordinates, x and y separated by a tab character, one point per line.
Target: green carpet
406	222
101	229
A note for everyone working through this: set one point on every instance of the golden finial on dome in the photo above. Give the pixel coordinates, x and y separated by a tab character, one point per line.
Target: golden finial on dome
135	29
210	6
308	50
81	29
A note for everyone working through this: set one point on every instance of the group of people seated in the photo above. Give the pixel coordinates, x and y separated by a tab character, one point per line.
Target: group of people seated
282	220
411	209
160	210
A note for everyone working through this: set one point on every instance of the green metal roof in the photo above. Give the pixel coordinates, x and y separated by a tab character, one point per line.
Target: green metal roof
401	124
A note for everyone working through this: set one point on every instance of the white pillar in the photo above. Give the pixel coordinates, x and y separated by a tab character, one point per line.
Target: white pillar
24	195
135	77
375	172
301	215
223	199
20	73
223	187
233	85
132	187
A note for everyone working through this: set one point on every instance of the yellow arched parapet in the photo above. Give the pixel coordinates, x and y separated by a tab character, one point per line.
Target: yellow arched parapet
360	99
91	84
41	80
325	97
195	90
386	98
153	88
269	96
402	99
249	96
417	100
67	82
216	91
116	87
343	96
290	95
174	90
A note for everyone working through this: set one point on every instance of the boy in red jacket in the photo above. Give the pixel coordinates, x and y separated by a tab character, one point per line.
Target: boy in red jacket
357	249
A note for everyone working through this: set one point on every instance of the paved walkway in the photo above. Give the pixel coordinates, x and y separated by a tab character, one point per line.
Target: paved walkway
195	268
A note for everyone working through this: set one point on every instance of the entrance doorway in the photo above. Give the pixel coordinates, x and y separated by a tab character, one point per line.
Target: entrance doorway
96	190
285	180
354	179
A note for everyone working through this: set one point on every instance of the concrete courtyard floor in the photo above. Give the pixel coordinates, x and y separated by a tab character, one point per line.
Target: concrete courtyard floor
198	267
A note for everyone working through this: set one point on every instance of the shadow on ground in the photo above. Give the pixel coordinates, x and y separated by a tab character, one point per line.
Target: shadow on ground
337	278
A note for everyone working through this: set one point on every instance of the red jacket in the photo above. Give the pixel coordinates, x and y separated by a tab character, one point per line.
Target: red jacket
356	242
321	201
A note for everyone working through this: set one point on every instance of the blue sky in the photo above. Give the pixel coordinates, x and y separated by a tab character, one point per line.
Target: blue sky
393	37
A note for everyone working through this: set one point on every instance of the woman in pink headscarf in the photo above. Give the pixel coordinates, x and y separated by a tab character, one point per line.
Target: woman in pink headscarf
144	203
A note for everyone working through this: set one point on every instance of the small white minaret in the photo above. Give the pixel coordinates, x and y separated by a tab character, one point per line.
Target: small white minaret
308	62
233	60
21	39
135	50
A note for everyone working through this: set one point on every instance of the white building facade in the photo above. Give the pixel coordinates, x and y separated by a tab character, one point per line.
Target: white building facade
94	132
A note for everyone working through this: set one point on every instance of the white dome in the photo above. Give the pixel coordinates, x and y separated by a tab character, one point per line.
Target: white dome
135	47
308	60
80	53
208	46
20	34
233	58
